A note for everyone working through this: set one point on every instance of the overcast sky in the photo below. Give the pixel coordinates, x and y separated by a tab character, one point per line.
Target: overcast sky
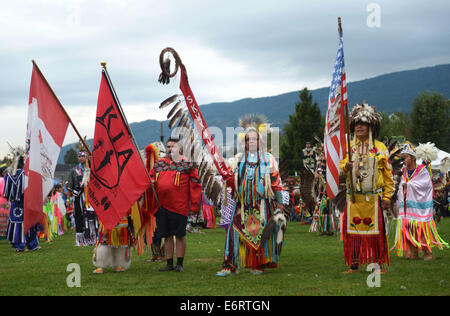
232	49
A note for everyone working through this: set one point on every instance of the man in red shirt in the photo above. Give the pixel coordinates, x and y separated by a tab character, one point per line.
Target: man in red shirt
179	191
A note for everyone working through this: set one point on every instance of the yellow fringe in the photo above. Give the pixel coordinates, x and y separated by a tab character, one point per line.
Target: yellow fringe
136	218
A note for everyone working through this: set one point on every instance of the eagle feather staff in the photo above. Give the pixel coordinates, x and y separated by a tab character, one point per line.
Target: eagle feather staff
182	127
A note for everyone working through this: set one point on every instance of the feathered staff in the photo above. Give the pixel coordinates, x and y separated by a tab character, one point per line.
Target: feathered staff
180	123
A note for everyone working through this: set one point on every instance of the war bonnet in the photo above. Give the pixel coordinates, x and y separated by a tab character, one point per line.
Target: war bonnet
366	114
254	122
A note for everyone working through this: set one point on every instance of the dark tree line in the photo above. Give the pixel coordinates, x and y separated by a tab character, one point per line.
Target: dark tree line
428	121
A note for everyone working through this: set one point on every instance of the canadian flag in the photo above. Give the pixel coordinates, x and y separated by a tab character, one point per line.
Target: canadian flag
46	128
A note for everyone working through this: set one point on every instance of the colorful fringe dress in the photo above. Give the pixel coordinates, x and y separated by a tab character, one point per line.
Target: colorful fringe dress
364	229
113	248
415	225
323	217
257	188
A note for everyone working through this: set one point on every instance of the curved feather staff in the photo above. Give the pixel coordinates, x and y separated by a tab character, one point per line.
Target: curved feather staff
182	127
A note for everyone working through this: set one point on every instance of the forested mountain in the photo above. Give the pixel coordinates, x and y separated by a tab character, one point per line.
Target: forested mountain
390	93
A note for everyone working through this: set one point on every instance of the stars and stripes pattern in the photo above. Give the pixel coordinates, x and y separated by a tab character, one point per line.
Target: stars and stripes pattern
334	137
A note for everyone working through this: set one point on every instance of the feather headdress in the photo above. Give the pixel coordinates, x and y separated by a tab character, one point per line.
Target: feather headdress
408	148
81	150
18	158
445	165
254	122
427	152
366	114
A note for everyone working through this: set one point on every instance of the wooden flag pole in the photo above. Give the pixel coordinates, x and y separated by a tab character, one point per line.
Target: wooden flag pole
62	108
339	26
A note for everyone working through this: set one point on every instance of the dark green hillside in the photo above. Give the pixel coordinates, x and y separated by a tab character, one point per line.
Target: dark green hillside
390	93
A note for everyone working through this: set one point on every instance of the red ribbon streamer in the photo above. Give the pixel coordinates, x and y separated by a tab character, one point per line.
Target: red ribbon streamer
202	127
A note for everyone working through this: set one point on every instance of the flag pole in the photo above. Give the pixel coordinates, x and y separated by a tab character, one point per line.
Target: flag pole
62	108
119	107
347	129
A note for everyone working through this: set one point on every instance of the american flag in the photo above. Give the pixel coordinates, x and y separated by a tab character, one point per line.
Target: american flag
334	138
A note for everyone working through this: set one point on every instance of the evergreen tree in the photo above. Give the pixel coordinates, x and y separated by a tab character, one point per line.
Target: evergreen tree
305	123
71	157
430	120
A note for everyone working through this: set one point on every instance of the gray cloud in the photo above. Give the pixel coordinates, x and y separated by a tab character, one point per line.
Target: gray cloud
232	49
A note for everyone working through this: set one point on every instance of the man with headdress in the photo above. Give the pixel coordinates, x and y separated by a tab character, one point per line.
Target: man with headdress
416	229
256	231
14	193
85	218
369	190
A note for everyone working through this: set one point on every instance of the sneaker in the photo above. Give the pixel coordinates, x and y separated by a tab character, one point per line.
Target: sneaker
178	268
166	268
257	272
120	269
99	271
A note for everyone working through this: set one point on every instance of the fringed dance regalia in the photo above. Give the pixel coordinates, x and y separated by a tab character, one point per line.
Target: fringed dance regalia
50	222
323	217
86	223
415	225
207	213
324	220
113	248
364	224
14	192
59	211
369	182
257	189
148	235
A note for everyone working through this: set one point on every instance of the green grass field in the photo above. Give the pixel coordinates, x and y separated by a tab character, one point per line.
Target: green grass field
310	265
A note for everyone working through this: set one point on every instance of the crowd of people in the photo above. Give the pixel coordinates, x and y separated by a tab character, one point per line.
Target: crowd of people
414	195
256	204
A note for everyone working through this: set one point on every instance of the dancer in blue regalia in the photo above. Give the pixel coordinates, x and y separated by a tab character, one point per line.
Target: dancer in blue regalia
14	193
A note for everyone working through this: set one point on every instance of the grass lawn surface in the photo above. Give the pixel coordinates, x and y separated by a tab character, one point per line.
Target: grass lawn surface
310	265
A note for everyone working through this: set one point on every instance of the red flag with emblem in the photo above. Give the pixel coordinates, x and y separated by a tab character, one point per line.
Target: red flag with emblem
46	128
118	175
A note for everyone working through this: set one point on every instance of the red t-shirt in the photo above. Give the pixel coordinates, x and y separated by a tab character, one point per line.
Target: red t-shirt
177	185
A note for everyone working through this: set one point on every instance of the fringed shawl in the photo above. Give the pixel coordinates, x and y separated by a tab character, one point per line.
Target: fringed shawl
419	195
